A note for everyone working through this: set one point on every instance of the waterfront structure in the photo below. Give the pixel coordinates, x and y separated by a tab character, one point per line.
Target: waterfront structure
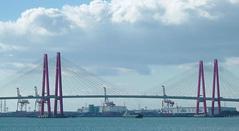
192	110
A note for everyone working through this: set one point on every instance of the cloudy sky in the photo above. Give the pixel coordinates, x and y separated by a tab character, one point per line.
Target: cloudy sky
130	43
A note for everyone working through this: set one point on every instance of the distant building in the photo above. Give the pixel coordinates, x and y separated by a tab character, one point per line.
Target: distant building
230	109
109	107
192	110
114	109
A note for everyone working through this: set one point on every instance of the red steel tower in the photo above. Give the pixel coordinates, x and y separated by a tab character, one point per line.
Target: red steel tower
216	84
58	88
45	99
201	81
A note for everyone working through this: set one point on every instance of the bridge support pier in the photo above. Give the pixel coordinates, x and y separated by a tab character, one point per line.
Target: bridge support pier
45	99
201	81
58	88
216	83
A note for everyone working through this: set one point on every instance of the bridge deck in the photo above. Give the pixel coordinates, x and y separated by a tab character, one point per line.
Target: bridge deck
121	96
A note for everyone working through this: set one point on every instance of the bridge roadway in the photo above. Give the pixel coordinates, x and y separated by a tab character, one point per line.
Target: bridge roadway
120	96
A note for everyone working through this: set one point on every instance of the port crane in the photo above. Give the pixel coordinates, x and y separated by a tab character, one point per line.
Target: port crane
37	101
107	103
22	102
166	103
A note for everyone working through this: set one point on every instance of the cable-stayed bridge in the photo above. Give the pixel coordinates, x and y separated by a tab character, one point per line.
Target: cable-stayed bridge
71	81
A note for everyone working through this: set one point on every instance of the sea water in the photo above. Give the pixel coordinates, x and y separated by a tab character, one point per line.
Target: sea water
119	124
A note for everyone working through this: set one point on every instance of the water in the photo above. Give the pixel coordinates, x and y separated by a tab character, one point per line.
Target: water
120	124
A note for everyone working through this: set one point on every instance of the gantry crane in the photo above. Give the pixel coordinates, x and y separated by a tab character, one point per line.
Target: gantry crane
166	103
22	102
37	101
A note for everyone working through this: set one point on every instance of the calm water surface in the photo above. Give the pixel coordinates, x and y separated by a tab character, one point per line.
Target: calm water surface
120	124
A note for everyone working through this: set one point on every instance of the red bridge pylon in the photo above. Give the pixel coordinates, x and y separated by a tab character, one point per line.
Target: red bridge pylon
216	83
201	80
58	88
45	90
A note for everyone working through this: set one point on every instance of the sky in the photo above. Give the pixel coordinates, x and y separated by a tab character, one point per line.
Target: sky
130	43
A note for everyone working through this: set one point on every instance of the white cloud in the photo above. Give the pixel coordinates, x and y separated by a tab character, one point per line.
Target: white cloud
42	21
86	15
37	25
18	66
22	65
187	66
37	21
234	1
232	61
167	12
125	70
99	70
102	31
6	48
